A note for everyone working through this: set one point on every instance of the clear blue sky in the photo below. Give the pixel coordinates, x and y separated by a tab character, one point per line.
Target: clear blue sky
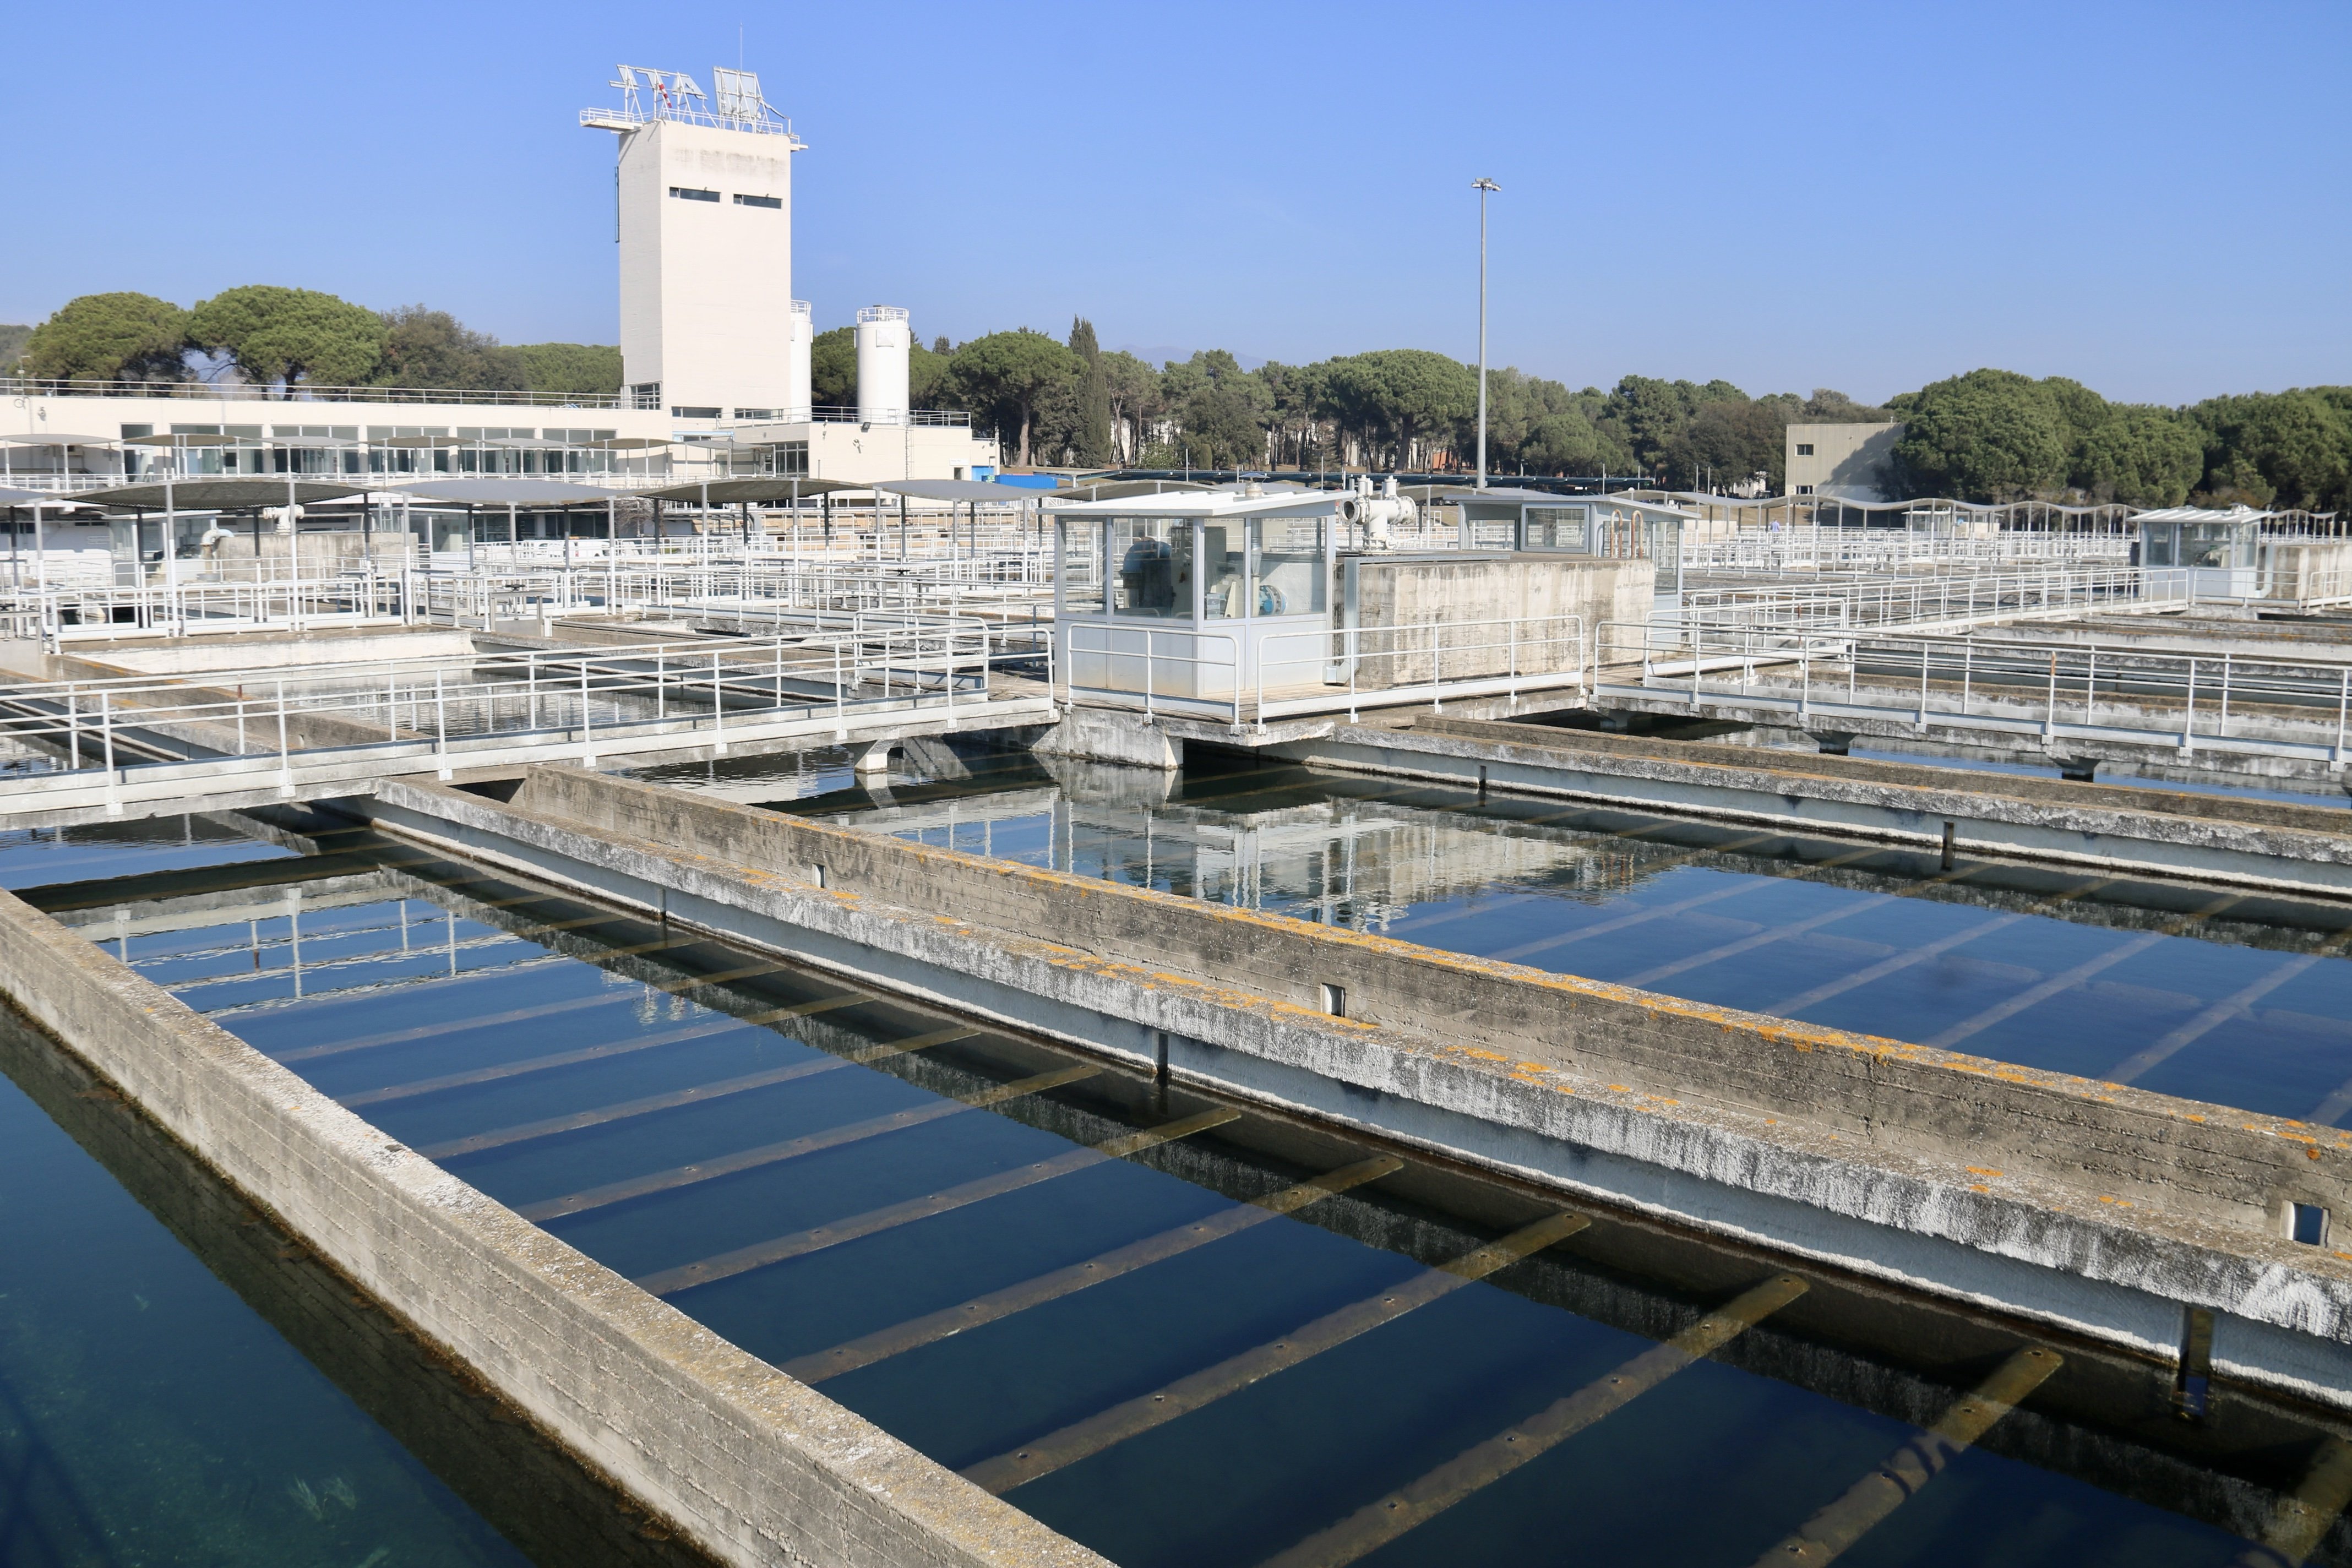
2150	197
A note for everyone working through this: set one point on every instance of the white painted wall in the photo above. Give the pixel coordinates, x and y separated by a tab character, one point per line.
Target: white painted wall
707	286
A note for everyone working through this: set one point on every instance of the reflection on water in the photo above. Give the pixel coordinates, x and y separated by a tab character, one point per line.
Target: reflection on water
2245	1000
148	1416
1180	1330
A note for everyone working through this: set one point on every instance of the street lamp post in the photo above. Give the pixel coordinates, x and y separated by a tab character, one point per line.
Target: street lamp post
1484	186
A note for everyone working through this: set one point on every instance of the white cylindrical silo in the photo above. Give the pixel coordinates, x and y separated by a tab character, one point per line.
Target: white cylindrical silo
883	337
799	346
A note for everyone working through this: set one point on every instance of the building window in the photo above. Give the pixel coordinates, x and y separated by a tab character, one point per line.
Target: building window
686	193
692	413
645	394
744	201
761	414
1804	448
1804	489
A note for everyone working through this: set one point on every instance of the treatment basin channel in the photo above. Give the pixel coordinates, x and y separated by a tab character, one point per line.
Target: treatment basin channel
1179	1329
2238	998
147	1413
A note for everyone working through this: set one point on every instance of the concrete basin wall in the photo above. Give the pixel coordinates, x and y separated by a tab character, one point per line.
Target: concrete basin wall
748	1464
2202	1161
1913	1194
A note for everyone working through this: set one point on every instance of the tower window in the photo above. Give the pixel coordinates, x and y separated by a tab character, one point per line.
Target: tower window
1804	448
743	201
686	193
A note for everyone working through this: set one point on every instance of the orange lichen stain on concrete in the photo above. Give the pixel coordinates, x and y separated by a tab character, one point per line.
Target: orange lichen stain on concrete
1979	1187
1619	1088
1982	1171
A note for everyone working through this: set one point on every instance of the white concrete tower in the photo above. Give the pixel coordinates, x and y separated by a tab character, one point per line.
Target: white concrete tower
883	337
704	194
799	401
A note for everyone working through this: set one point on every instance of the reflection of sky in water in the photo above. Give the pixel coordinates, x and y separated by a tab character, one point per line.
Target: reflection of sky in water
978	1241
2201	994
148	1415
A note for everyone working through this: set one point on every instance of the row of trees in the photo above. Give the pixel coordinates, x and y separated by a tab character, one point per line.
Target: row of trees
1991	435
1071	402
276	337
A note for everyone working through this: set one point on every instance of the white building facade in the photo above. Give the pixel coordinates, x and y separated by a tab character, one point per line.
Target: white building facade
715	354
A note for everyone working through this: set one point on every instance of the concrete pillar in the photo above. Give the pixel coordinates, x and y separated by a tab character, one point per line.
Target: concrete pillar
2079	769
1830	742
873	761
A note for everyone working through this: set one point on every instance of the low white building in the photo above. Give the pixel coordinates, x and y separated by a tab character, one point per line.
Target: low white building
714	352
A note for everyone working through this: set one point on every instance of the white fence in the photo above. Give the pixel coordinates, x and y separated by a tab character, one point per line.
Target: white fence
1183	669
2044	693
268	728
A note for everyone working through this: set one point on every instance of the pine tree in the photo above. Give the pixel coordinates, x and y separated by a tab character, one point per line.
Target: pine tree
1094	395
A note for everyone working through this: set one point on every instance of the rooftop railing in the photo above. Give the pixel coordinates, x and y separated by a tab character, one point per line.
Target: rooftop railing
308	392
304	392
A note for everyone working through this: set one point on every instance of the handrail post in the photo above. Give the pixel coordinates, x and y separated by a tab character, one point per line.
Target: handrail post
106	733
718	708
285	760
441	722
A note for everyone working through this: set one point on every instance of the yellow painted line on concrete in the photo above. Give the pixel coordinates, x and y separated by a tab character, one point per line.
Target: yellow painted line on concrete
1837	1527
933	1327
670	1282
1377	1523
1135	1416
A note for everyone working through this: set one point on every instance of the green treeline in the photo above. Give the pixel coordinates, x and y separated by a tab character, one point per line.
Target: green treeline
273	336
1988	436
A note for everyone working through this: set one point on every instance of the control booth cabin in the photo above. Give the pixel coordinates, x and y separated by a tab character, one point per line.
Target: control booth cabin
1213	602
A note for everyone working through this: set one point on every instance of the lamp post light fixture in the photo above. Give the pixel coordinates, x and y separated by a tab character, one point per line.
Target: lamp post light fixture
1485	187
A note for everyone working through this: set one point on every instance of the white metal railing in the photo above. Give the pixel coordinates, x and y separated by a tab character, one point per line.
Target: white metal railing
276	727
1319	669
85	610
2043	691
1808	549
302	391
1950	599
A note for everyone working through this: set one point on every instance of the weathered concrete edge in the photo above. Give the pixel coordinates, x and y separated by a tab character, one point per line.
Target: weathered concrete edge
2282	858
751	1466
2026	1248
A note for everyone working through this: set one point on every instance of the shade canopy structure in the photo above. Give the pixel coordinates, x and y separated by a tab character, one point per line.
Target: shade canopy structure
631	443
1508	495
520	492
957	489
59	438
1119	490
757	491
208	494
27	498
418	443
180	438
